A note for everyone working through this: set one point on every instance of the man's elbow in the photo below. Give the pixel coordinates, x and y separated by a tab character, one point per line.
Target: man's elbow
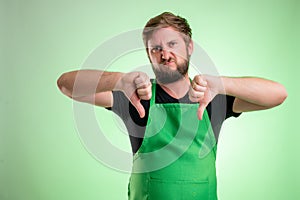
62	85
60	81
282	95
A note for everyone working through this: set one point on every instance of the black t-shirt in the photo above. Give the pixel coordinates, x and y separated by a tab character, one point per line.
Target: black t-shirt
219	109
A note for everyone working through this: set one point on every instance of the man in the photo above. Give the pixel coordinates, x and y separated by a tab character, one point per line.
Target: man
173	121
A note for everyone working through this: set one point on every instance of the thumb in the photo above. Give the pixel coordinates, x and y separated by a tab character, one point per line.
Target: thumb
136	102
201	109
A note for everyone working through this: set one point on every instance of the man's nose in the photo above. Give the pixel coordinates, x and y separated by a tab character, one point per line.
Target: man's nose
165	54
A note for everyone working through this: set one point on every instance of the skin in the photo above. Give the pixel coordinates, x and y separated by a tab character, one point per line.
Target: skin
167	51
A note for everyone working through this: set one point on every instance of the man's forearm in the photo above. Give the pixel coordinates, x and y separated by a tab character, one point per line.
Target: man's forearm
258	91
87	82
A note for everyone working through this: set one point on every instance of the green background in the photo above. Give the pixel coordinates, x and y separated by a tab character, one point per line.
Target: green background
41	154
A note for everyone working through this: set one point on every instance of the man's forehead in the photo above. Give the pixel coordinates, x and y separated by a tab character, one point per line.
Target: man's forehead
164	34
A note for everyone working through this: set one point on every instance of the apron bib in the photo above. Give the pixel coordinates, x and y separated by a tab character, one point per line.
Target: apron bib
176	160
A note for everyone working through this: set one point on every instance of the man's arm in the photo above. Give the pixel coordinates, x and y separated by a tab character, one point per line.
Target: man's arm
250	93
92	86
95	87
254	93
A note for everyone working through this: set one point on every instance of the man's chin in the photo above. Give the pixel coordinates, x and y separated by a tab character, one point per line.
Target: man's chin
168	73
167	80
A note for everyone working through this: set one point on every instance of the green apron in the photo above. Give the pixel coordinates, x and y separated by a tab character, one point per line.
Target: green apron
176	160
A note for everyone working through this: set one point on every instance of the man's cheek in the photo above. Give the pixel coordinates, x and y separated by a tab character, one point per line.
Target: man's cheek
154	60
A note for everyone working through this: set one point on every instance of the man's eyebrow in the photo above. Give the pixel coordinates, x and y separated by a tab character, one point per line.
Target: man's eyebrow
157	44
154	45
174	40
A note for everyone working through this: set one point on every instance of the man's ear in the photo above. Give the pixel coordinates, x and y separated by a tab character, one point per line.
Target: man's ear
190	48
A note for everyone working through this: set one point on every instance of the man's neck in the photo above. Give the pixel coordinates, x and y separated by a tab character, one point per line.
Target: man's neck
177	89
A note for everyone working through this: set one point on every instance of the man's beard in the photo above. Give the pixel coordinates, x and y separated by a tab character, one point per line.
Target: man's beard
165	75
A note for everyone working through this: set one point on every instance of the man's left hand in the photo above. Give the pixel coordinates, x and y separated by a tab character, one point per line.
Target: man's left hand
203	89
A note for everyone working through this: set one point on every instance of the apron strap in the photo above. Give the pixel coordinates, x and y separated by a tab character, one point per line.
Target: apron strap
152	100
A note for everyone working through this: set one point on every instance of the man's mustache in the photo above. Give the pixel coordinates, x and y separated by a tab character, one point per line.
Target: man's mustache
167	61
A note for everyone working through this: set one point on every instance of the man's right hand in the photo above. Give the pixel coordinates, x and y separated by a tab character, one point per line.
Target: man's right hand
136	86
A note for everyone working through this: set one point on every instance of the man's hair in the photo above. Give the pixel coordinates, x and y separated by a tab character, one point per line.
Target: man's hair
167	19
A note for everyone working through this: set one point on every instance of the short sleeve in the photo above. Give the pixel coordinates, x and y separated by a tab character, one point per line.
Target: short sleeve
120	103
229	110
125	110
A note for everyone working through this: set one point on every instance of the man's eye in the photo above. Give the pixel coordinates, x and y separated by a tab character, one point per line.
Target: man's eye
172	44
156	49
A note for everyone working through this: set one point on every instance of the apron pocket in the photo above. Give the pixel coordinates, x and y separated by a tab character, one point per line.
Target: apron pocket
160	189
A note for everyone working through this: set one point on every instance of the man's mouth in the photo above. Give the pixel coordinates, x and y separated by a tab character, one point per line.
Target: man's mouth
169	63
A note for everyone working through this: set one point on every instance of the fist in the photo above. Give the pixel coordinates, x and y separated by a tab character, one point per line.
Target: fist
202	90
143	86
198	88
136	86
